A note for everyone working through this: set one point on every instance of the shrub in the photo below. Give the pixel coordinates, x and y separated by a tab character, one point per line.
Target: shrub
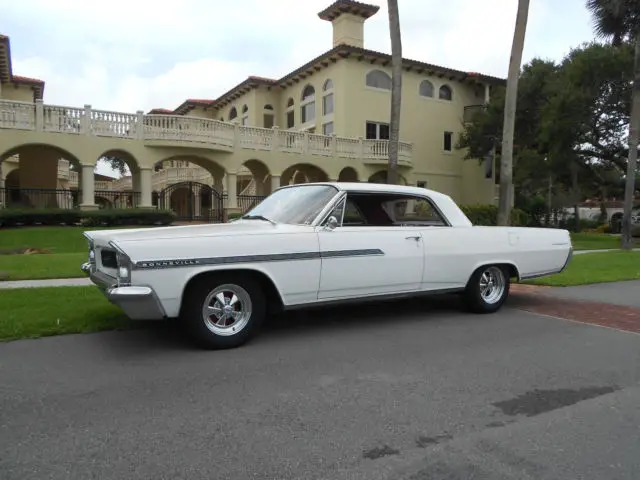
10	217
234	215
488	215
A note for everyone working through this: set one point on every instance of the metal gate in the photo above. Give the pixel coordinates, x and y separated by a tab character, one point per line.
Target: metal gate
193	201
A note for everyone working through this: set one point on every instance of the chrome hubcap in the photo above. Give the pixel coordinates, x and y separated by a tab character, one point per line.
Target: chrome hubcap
227	309
492	284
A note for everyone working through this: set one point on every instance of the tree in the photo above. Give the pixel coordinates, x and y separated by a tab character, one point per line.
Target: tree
506	158
396	90
619	20
116	163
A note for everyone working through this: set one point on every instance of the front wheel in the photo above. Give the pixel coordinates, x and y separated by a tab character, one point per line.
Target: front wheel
223	311
487	290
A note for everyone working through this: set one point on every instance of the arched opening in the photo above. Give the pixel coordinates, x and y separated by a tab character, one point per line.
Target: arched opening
39	176
188	168
445	93
233	113
378	79
245	115
291	113
117	180
268	117
255	183
308	105
381	177
426	89
303	173
348	174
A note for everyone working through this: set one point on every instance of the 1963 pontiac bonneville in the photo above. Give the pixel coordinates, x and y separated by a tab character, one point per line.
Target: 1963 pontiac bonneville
312	244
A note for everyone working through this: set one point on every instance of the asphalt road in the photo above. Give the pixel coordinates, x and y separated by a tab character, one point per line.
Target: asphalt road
398	391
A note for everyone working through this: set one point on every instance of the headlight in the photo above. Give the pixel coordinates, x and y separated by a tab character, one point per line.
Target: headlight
124	269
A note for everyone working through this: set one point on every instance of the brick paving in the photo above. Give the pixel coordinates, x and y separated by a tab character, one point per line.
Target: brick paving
541	300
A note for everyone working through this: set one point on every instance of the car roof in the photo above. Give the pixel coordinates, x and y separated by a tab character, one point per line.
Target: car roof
379	188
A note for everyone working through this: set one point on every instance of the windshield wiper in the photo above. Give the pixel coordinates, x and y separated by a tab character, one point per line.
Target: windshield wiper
258	217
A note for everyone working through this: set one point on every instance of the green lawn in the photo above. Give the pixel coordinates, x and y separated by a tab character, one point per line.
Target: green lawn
37	267
56	239
40	312
594	241
595	268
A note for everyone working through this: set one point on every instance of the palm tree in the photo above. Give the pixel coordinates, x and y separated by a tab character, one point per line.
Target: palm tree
506	159
396	90
619	21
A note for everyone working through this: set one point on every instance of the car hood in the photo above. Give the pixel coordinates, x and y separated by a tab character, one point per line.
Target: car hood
102	238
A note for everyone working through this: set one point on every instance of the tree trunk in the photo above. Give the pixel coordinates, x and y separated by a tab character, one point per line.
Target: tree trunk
396	90
634	139
506	162
576	197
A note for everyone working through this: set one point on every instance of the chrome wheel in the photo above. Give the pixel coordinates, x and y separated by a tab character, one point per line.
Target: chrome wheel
227	309
492	285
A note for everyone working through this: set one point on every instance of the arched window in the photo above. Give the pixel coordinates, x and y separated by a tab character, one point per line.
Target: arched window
426	89
378	79
327	98
268	117
245	115
445	93
308	105
233	113
308	93
291	114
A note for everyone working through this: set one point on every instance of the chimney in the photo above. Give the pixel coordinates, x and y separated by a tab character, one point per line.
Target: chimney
347	17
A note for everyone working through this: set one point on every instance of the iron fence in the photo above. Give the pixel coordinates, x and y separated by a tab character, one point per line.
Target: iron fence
54	198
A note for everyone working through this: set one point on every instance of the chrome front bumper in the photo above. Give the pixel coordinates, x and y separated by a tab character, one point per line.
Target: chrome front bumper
137	302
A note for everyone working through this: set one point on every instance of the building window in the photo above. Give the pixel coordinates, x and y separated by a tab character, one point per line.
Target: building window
378	79
308	112
426	89
308	106
327	104
233	113
327	128
445	93
291	115
448	137
377	131
270	107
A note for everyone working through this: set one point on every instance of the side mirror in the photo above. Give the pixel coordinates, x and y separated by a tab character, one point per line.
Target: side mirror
332	223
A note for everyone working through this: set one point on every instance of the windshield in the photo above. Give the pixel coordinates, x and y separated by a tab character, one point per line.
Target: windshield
294	205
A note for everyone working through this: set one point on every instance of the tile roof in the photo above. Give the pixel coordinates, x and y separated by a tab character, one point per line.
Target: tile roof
339	7
6	72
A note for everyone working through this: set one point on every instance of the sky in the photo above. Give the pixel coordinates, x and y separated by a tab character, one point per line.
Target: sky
129	55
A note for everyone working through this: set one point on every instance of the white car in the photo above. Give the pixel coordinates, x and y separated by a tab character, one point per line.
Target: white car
312	244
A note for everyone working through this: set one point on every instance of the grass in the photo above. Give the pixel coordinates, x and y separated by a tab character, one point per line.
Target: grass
55	239
594	241
595	268
41	312
38	267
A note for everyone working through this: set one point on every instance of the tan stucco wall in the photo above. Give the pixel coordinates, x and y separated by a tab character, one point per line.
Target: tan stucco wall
17	93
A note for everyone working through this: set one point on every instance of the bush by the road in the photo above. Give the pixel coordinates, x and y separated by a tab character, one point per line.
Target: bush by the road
488	215
11	217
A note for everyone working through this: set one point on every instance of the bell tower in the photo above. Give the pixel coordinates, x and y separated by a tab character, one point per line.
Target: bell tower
348	17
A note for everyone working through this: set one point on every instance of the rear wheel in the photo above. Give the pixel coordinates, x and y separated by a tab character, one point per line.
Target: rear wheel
487	290
223	311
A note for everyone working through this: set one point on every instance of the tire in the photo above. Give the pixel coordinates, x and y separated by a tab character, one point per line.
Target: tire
481	299
222	329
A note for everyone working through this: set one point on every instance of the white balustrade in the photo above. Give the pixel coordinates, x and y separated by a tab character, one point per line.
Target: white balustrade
178	128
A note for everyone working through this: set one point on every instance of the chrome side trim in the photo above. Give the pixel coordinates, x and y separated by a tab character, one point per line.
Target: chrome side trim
276	257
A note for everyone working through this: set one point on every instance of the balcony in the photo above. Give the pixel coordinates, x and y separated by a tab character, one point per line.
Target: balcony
177	130
471	111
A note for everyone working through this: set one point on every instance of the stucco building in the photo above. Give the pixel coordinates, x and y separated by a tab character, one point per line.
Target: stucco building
325	120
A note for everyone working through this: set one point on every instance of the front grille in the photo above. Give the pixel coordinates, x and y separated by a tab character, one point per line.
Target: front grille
108	259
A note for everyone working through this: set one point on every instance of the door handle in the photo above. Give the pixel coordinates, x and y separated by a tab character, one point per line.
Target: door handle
413	237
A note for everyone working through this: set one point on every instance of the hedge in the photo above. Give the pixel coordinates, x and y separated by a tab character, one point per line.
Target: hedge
488	215
10	217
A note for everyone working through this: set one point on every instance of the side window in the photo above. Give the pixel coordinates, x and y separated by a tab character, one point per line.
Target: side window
414	211
347	212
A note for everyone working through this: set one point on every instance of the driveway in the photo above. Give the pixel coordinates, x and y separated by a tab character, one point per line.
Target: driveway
412	390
